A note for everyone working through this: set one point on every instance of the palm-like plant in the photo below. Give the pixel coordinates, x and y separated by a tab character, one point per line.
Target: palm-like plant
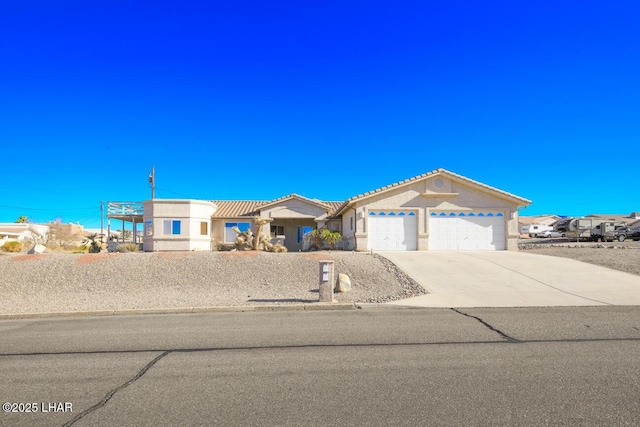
320	236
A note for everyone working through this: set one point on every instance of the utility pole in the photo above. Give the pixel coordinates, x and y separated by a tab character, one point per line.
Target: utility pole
152	181
102	222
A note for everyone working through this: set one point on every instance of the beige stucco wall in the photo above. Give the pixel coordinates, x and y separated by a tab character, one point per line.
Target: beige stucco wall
190	213
422	197
292	208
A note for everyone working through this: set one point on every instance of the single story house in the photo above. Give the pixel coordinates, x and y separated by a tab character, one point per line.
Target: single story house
19	232
438	210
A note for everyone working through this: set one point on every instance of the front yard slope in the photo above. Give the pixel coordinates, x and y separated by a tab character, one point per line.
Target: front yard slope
86	282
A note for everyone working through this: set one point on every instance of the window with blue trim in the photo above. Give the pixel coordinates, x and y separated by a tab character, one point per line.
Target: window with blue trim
229	234
412	214
171	226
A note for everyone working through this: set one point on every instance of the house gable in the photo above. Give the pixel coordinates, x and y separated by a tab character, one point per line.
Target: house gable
294	206
438	189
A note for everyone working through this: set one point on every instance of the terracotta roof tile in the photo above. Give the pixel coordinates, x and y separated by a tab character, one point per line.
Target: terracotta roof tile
237	208
249	208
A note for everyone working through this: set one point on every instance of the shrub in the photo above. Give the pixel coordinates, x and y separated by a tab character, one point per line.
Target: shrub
320	236
128	247
12	247
278	248
223	247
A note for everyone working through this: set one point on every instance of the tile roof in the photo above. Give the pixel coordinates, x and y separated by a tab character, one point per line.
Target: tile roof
426	175
237	208
249	208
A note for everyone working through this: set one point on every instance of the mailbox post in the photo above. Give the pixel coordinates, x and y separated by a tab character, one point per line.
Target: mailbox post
326	281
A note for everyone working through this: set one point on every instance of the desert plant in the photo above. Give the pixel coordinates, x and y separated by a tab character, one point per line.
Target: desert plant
22	219
94	244
12	247
278	248
128	247
320	236
259	222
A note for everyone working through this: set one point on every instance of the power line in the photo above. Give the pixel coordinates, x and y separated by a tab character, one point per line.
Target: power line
47	210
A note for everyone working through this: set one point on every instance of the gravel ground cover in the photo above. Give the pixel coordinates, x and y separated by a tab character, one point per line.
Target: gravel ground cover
623	256
115	281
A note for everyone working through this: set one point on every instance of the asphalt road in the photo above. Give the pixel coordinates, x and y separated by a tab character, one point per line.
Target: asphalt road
374	366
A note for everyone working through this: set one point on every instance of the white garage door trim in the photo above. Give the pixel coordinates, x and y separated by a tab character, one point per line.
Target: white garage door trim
467	231
392	230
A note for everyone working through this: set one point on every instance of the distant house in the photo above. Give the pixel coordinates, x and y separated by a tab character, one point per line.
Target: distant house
630	219
19	232
438	210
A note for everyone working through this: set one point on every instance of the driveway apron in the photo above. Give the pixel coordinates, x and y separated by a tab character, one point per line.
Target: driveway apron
512	279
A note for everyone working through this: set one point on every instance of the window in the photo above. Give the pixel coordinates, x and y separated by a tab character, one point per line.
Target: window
277	230
351	223
148	228
229	234
204	228
171	226
303	231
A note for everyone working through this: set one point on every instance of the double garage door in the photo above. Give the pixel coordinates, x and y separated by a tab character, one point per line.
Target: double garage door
448	231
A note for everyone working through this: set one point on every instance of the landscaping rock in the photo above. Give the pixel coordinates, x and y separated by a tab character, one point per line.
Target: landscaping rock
344	283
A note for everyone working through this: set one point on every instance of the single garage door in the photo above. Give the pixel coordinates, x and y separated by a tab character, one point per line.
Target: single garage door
466	231
393	231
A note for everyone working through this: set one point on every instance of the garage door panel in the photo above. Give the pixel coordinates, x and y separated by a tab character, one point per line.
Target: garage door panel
389	232
466	231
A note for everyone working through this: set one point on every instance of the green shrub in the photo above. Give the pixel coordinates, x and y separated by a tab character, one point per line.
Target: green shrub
320	236
12	247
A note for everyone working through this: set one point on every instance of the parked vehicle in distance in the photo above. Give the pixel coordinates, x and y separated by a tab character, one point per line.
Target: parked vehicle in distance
606	231
624	233
533	229
551	234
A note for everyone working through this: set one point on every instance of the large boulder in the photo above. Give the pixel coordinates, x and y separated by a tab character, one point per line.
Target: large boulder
344	283
37	249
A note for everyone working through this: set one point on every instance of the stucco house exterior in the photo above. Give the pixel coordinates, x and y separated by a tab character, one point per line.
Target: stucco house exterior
438	210
177	225
289	218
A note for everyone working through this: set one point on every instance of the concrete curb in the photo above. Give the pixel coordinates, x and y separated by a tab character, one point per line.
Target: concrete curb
189	310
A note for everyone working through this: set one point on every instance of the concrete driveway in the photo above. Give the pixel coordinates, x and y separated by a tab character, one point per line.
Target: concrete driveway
512	279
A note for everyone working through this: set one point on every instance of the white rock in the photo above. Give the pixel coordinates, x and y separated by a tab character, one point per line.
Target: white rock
38	249
344	283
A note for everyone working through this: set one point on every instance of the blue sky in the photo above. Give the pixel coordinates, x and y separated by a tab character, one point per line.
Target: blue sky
256	100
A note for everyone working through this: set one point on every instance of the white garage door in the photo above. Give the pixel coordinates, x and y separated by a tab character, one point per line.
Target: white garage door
393	231
466	231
